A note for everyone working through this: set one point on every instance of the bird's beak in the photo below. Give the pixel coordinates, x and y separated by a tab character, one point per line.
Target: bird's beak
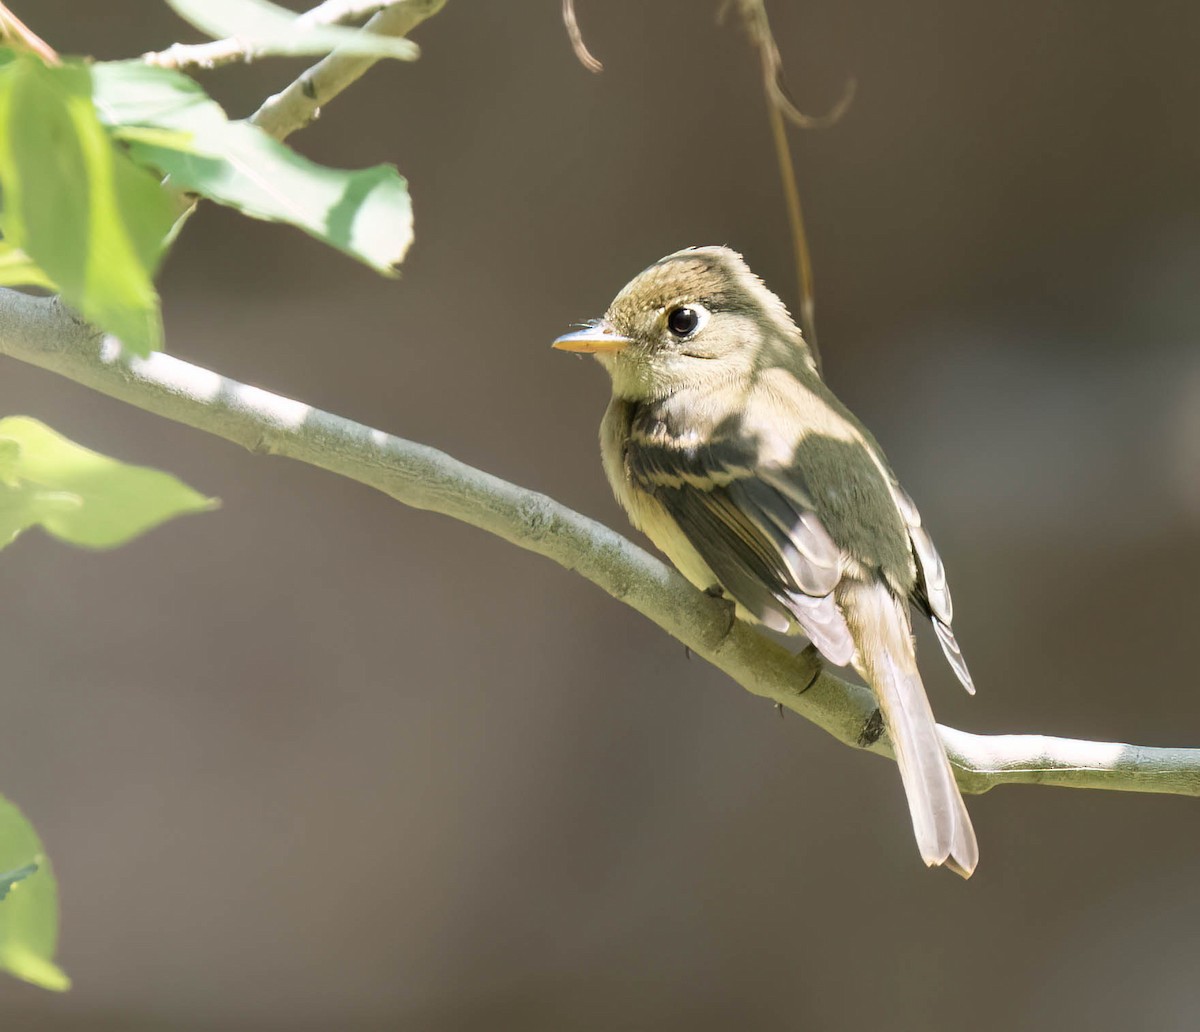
600	337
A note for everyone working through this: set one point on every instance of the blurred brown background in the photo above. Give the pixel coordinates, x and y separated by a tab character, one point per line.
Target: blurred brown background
317	761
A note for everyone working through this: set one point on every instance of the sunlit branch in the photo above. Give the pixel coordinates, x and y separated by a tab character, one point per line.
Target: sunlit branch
297	105
183	56
42	332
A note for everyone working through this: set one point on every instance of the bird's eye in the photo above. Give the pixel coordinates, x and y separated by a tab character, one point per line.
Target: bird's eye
684	320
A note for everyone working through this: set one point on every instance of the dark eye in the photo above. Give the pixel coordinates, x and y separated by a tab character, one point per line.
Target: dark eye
683	321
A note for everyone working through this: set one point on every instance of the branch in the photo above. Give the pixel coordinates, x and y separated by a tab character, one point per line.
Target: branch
44	333
225	51
296	106
293	108
779	105
16	33
575	35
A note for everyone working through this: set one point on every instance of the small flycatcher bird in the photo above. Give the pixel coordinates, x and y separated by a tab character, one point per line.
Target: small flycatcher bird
725	446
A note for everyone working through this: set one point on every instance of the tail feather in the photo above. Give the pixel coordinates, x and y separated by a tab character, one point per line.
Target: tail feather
953	654
886	659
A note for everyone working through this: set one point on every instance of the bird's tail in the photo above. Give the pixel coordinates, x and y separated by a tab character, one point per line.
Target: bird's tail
885	657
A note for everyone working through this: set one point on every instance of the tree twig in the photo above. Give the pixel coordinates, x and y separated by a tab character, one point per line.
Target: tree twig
15	32
225	51
299	103
575	35
42	332
779	107
296	106
754	16
805	288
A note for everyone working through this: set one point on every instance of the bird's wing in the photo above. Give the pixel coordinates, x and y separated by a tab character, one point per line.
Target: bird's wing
932	593
757	531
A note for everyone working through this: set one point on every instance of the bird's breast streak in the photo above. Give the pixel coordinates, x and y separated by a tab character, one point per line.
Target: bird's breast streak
644	512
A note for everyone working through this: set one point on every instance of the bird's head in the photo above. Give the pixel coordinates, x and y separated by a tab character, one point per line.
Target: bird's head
695	317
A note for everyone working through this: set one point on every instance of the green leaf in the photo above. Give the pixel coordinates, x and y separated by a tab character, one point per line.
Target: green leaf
78	495
89	217
29	911
10	453
153	136
10	878
17	269
365	213
270	29
133	93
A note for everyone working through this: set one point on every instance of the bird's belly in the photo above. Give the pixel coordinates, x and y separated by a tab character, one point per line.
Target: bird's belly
658	526
653	521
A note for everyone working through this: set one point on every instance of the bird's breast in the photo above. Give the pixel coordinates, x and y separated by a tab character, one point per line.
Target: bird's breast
644	512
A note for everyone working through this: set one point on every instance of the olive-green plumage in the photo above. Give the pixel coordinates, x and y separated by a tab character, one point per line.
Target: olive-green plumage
726	448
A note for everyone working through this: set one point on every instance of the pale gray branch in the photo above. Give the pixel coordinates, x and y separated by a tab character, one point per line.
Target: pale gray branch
42	332
226	51
297	105
336	12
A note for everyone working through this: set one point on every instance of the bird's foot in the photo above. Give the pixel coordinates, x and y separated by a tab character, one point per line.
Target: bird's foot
812	655
872	730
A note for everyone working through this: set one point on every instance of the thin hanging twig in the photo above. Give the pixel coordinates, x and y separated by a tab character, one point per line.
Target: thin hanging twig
754	15
791	198
585	56
780	106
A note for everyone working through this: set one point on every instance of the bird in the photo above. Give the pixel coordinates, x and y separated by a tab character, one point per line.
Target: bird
724	445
